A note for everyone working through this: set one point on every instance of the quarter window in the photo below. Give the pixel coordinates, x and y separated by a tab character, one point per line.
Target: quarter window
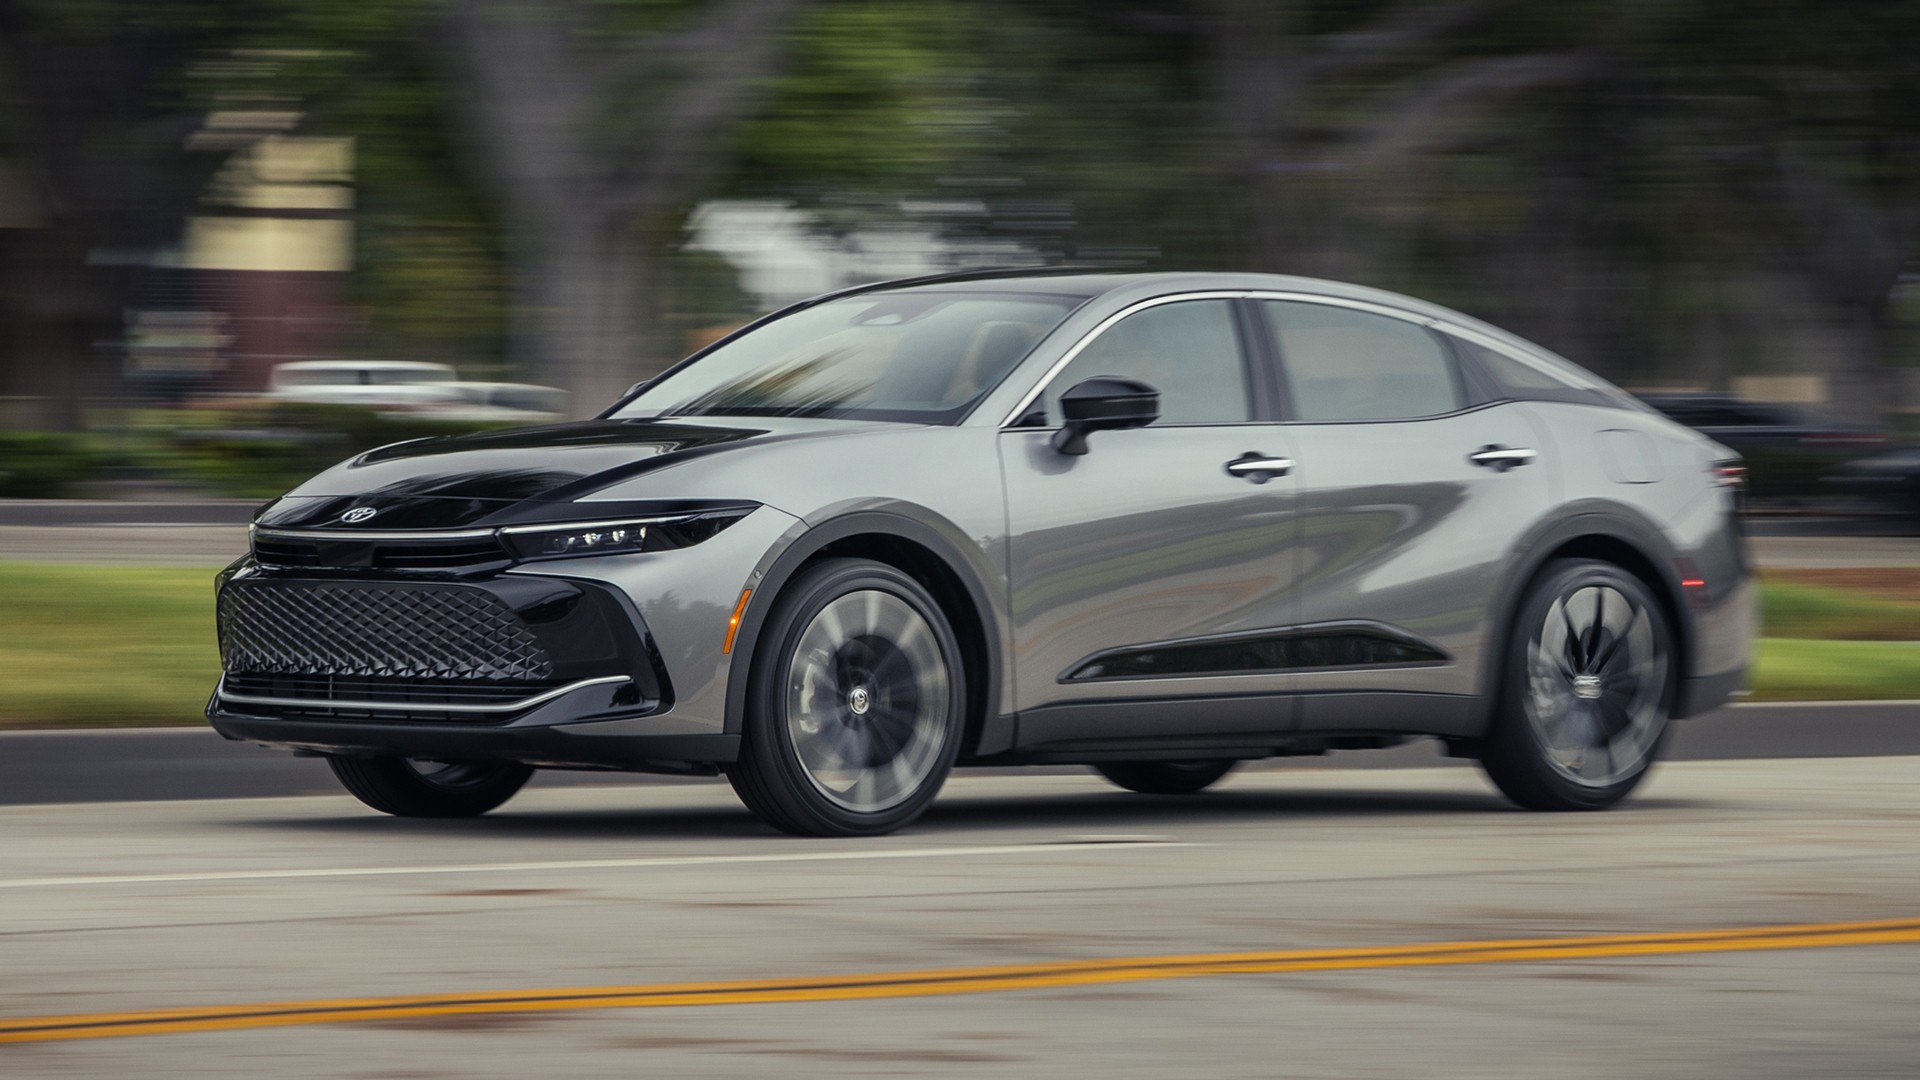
1188	350
1522	381
1343	364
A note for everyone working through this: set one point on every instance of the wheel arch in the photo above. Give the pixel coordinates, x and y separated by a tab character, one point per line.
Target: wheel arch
1604	531
932	554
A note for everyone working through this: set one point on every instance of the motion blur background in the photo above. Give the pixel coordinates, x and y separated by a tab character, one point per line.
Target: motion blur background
1684	195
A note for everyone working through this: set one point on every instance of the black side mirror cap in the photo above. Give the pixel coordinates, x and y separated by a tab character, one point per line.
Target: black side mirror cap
1103	403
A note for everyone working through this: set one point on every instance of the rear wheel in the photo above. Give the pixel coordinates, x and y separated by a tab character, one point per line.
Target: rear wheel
1166	777
1587	690
406	787
855	703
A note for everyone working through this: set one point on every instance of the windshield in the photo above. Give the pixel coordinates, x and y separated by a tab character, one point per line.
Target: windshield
920	357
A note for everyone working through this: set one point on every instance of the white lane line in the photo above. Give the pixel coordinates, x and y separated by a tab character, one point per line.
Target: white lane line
1042	848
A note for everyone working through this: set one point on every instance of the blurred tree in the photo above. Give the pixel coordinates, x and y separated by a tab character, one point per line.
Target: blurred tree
430	265
88	140
598	124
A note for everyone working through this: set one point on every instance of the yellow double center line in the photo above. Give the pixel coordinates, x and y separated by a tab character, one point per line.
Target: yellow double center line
936	981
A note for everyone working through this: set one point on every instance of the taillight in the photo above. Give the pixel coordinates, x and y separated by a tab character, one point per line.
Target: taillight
1730	474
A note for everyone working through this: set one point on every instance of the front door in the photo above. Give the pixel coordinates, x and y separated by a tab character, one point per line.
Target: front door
1153	572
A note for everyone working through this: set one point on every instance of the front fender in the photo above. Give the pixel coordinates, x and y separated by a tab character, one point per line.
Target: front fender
853	526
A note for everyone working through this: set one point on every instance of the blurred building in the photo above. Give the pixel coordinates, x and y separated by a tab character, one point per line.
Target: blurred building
267	264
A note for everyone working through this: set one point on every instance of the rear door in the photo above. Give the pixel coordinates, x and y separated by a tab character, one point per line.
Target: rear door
1411	495
1150	578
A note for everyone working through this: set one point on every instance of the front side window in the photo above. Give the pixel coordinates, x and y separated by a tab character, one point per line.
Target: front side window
1188	350
1343	364
918	357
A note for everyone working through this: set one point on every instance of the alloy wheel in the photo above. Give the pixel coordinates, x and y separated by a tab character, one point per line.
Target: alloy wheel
867	701
1596	685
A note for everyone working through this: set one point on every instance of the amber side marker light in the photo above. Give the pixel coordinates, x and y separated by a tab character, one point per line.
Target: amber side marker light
733	624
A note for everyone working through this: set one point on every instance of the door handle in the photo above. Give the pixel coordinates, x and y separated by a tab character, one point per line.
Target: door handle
1501	458
1259	468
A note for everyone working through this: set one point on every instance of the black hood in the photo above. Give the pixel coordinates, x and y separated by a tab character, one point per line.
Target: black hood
467	479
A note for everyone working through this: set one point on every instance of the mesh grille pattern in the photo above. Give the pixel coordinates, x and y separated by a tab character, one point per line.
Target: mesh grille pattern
400	631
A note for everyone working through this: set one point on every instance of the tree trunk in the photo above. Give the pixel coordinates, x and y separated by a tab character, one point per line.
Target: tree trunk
589	145
588	319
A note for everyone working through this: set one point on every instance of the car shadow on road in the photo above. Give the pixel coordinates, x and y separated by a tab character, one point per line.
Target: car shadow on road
1077	812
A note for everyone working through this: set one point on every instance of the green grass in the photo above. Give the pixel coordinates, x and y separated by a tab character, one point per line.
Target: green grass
1814	611
96	646
1799	669
88	646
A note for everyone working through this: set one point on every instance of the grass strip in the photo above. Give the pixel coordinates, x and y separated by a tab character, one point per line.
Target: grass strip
1836	614
105	646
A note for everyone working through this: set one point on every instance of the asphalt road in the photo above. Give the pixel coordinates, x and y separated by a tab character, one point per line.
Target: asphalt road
1389	923
193	763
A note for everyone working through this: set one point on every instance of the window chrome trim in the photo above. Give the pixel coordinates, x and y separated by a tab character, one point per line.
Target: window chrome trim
1427	321
415	706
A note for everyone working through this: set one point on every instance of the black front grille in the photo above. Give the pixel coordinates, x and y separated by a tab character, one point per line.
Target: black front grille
377	630
427	554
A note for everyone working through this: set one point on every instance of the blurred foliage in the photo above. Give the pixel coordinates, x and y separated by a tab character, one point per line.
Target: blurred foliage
1673	192
260	452
45	465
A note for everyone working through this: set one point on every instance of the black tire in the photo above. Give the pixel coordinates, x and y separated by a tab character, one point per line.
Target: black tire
405	788
835	697
1166	777
1586	689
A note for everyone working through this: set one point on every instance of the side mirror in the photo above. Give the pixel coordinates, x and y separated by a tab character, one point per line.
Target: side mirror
1103	403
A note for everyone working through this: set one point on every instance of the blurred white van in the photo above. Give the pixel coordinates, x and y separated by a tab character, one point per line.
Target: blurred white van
516	403
376	384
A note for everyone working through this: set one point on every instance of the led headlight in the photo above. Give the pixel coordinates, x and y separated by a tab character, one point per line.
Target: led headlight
614	537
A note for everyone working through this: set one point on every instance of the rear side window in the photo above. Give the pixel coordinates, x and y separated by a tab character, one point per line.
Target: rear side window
1342	364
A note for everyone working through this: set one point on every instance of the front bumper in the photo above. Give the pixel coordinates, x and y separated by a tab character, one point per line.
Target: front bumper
497	667
658	619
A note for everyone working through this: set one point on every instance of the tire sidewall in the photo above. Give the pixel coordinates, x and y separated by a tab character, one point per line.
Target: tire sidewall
766	720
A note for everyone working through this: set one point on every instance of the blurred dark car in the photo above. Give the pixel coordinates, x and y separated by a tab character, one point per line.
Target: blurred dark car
1891	479
1788	449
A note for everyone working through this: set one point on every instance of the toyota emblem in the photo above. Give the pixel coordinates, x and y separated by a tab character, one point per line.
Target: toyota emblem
358	514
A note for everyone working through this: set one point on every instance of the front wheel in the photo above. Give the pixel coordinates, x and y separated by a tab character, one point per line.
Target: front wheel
855	703
1166	777
408	788
1588	686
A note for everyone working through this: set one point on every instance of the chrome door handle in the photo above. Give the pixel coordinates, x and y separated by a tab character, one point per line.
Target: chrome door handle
1259	468
1501	458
